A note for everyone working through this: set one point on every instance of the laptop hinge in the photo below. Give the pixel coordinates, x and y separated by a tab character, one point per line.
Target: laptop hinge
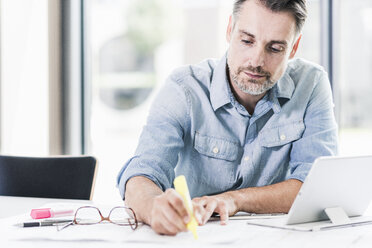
337	215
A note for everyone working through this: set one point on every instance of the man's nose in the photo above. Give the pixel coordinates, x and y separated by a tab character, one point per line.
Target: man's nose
258	57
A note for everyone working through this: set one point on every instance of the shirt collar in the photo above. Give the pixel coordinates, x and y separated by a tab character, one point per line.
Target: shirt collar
285	86
219	86
281	92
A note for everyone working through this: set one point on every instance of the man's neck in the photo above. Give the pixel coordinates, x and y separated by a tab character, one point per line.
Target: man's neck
248	101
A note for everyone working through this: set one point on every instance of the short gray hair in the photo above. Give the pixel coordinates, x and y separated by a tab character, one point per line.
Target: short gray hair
296	7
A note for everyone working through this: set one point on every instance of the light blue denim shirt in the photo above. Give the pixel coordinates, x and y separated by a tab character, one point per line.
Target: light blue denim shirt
197	128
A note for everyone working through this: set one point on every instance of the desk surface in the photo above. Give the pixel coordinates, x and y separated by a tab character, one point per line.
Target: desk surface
236	234
10	205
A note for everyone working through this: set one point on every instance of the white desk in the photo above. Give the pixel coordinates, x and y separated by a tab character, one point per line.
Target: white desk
235	234
10	205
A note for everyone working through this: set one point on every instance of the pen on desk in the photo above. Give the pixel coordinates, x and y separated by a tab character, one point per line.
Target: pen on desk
41	223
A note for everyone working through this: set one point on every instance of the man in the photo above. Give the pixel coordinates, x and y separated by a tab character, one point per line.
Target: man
244	130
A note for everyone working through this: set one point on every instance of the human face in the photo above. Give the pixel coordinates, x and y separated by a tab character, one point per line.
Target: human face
261	43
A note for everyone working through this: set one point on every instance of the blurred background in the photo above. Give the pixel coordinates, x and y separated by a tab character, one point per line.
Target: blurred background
78	76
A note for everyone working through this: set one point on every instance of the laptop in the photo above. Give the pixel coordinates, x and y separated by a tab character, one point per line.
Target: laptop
336	193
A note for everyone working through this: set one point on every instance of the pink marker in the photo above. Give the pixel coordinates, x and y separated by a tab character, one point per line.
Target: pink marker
43	213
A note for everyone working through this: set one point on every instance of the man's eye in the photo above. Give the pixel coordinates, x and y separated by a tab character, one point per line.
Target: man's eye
276	50
247	41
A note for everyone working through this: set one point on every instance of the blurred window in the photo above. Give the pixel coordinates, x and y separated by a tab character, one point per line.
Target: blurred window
135	44
24	77
353	70
310	44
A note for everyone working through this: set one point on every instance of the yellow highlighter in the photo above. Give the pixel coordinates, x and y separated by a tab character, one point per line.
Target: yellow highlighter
181	187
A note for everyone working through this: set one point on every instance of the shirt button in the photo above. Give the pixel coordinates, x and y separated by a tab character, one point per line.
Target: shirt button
282	137
246	158
215	150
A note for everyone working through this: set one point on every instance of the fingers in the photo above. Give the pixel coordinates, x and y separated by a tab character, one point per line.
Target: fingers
213	205
171	223
209	204
209	209
199	212
177	203
168	213
223	212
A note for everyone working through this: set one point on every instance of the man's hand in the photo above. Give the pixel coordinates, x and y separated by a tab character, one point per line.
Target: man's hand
275	198
223	204
165	211
169	214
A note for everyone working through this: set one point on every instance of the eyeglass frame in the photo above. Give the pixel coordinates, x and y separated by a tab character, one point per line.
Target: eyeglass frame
75	222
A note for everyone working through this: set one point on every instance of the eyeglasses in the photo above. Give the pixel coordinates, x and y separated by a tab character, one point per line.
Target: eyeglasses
89	215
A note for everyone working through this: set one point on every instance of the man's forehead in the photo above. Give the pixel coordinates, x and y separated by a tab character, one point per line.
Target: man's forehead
263	23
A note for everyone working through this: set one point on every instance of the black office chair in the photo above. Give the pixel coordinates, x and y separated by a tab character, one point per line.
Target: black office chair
48	177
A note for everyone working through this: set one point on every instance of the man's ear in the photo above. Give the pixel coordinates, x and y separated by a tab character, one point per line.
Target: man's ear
295	47
229	29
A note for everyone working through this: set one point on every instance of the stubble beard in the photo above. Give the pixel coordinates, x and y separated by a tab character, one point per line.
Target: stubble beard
252	86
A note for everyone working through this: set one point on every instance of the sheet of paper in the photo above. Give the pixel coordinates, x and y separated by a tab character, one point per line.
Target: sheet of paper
250	216
211	233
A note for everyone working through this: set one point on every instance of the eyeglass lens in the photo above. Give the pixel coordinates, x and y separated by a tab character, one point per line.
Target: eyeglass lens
87	215
119	215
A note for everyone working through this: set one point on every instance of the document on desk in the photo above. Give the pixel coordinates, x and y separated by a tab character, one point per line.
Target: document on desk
249	216
211	233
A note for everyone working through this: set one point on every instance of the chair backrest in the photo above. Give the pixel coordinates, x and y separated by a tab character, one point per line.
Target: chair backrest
48	177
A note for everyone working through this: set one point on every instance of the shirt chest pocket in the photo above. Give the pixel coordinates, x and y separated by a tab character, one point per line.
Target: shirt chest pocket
282	135
215	147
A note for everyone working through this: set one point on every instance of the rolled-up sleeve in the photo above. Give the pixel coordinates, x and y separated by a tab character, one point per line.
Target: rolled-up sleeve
161	139
320	135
